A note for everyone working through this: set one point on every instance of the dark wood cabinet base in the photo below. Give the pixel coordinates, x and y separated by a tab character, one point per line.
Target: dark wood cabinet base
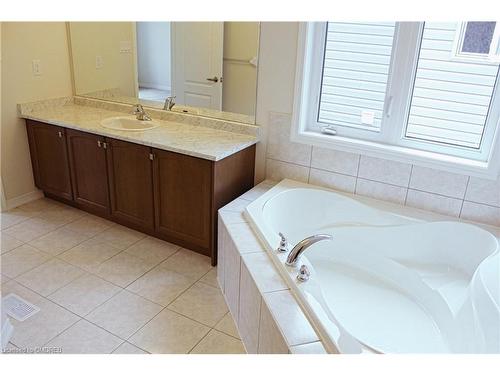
168	195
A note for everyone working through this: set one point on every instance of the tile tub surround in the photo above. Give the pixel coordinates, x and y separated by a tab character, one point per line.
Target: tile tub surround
205	138
104	288
466	197
269	318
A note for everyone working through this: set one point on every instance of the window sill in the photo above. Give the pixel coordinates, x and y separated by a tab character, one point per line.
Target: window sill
453	164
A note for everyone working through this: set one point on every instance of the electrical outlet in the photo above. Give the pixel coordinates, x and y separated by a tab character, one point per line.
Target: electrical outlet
99	62
125	46
36	67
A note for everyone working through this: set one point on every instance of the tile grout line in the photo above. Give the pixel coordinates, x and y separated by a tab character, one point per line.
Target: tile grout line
39	215
357	175
465	194
380	182
408	187
166	307
71	312
84	317
260	320
195	345
87	272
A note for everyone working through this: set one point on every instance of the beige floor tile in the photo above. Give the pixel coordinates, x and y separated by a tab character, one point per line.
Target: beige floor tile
219	343
13	217
8	243
161	285
30	229
40	206
120	236
211	278
22	259
84	294
124	314
188	263
10	348
61	215
58	241
44	325
124	269
89	254
227	325
50	276
202	303
3	279
169	332
152	248
85	338
89	225
127	348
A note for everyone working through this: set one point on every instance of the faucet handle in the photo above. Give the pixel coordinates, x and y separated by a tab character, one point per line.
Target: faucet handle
304	273
138	109
283	246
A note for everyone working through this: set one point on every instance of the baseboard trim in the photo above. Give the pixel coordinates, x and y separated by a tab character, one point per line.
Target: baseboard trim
154	86
23	199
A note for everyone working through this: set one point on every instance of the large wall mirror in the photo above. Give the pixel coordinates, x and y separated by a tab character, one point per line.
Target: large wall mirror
210	67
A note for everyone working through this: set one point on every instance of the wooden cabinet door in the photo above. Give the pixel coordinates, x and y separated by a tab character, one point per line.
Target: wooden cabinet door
183	190
49	157
130	173
87	156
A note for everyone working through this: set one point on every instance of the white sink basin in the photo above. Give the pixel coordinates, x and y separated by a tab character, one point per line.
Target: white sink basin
128	124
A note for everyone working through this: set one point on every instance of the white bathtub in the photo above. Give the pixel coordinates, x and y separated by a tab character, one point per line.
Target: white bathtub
386	283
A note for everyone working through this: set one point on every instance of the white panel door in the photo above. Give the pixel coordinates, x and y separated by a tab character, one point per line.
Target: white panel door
197	63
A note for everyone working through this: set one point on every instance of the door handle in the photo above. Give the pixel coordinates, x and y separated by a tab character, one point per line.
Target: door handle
215	79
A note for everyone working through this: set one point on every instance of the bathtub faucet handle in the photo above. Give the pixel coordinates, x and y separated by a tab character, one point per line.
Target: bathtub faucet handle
304	273
283	247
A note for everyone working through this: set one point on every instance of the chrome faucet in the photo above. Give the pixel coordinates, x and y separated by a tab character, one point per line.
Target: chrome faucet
169	103
298	249
140	113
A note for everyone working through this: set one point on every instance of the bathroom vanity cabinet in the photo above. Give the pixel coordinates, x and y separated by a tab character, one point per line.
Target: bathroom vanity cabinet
165	194
130	177
89	177
49	159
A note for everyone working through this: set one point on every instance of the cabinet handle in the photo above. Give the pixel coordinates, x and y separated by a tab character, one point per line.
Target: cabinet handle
105	145
151	156
99	143
59	134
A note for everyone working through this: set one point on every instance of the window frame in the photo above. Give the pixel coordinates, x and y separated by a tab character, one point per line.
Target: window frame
390	143
492	57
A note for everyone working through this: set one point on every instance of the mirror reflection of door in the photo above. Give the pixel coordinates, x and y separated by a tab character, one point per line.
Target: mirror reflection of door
182	59
197	63
154	60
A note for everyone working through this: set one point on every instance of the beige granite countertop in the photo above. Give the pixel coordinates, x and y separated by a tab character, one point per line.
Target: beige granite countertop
194	140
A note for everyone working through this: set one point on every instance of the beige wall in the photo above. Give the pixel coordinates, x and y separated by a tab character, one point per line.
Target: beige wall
277	55
241	43
22	43
90	39
2	195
